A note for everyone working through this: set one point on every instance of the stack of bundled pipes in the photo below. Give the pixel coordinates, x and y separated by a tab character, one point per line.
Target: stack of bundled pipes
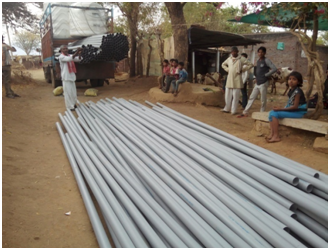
163	179
106	47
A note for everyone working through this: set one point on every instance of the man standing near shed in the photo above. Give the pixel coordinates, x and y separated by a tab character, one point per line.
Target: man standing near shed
264	69
234	66
68	74
6	69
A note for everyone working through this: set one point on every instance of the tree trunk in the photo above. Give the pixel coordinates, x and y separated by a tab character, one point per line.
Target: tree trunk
315	31
161	51
132	55
139	59
149	56
179	27
315	74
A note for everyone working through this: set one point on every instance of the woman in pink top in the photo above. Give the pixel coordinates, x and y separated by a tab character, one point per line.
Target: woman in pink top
166	72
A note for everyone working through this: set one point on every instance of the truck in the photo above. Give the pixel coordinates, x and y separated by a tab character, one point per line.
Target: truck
95	72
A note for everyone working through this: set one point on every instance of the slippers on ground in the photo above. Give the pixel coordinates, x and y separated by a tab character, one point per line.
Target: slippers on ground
269	141
242	115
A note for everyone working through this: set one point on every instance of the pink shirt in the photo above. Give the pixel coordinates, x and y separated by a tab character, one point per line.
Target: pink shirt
167	70
173	71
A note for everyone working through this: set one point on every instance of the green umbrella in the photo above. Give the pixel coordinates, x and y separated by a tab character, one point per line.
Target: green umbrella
284	19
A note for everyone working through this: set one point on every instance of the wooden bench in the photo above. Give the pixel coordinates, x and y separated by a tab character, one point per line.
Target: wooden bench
304	124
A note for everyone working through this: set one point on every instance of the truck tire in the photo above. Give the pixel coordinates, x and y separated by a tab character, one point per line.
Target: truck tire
97	82
47	75
55	83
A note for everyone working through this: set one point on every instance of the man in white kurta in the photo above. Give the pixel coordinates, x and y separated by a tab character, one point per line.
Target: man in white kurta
68	75
234	66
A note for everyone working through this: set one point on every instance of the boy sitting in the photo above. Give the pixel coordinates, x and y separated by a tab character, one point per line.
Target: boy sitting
182	77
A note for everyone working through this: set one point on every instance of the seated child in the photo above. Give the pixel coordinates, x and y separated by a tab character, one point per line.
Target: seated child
171	76
295	108
166	72
181	77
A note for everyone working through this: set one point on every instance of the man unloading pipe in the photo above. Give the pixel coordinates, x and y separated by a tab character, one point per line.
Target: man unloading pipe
68	74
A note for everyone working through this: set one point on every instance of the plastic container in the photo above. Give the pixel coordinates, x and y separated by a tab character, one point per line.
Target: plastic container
84	23
60	20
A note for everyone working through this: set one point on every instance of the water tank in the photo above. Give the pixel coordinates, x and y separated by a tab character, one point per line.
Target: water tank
60	20
84	22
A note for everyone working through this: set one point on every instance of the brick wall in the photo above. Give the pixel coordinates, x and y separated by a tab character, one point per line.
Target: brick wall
290	56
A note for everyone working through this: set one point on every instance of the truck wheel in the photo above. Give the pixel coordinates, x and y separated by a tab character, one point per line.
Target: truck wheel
97	82
47	75
101	82
55	83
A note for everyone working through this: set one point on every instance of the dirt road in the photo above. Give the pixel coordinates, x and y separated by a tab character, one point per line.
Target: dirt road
37	182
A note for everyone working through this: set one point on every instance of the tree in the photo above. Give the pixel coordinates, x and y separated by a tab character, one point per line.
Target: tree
304	13
27	41
17	14
179	28
140	18
131	10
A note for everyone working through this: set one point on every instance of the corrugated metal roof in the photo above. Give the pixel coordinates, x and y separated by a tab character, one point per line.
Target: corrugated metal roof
201	38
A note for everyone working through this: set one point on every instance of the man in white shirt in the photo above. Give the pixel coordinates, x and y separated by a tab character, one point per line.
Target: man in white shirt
68	74
6	69
234	66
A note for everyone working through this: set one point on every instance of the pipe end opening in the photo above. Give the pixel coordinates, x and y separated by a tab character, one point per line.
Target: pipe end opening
295	181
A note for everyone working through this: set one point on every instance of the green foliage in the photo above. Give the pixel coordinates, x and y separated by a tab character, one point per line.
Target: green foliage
322	38
27	41
144	16
212	18
17	15
282	13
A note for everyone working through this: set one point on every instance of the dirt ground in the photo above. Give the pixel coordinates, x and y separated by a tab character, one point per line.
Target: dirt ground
38	186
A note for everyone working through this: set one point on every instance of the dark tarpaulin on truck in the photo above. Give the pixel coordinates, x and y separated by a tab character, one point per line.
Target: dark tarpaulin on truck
201	38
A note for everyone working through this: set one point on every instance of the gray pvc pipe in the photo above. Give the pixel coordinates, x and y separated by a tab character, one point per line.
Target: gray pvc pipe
278	242
222	212
216	162
204	137
142	182
152	236
294	194
128	203
305	186
146	196
112	234
315	217
320	193
312	225
310	237
209	178
275	172
100	233
250	145
132	233
289	194
264	177
179	211
120	232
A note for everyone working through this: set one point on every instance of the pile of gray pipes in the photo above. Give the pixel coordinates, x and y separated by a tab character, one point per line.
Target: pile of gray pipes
162	179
